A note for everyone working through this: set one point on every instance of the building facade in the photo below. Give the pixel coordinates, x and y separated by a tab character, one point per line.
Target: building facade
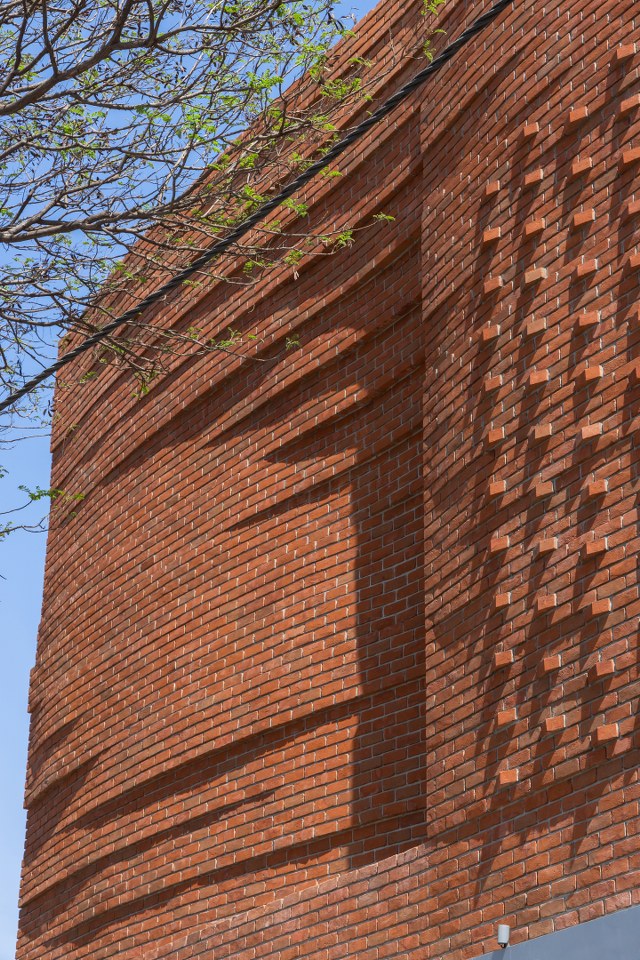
339	654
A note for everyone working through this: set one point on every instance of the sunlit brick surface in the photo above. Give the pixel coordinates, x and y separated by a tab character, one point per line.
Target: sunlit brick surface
339	655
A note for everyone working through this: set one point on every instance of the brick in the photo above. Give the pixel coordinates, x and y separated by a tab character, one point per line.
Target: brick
547	545
489	332
493	284
542	431
581	165
534	227
537	377
590	373
502	659
546	602
553	724
586	268
601	670
597	488
590	318
495	435
535	275
502	600
583	217
578	114
533	177
505	717
551	663
634	261
630	103
591	431
530	130
498	544
598	608
497	488
624	52
632	209
543	488
507	778
593	548
491	235
493	382
536	325
630	157
605	733
492	188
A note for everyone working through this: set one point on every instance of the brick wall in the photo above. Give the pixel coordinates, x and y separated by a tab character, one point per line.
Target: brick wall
339	654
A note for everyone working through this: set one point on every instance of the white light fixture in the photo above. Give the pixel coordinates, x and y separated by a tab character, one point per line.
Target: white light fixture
503	935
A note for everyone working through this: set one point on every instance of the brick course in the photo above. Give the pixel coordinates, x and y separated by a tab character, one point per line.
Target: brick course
339	655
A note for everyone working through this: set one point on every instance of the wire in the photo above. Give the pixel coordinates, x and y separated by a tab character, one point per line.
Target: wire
221	246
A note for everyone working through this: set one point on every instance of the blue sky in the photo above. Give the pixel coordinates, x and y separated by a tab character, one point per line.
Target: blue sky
22	564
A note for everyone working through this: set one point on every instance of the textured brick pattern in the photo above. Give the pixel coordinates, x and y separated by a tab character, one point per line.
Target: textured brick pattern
339	655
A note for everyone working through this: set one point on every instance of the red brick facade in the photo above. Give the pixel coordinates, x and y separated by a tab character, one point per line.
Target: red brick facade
339	656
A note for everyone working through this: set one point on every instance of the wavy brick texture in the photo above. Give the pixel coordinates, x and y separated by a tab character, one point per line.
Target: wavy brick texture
339	654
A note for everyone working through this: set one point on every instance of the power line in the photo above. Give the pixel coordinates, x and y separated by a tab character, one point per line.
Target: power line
221	246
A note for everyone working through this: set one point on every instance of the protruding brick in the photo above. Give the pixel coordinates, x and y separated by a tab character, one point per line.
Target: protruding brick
497	488
507	778
492	188
491	331
498	544
630	157
586	268
536	325
590	372
588	319
506	717
491	235
533	227
583	217
542	431
630	103
502	659
495	435
551	663
502	600
598	608
605	733
547	545
493	382
597	488
543	488
530	130
632	209
535	275
624	52
601	670
553	724
634	261
593	548
492	284
581	165
537	377
578	114
534	177
547	601
591	431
